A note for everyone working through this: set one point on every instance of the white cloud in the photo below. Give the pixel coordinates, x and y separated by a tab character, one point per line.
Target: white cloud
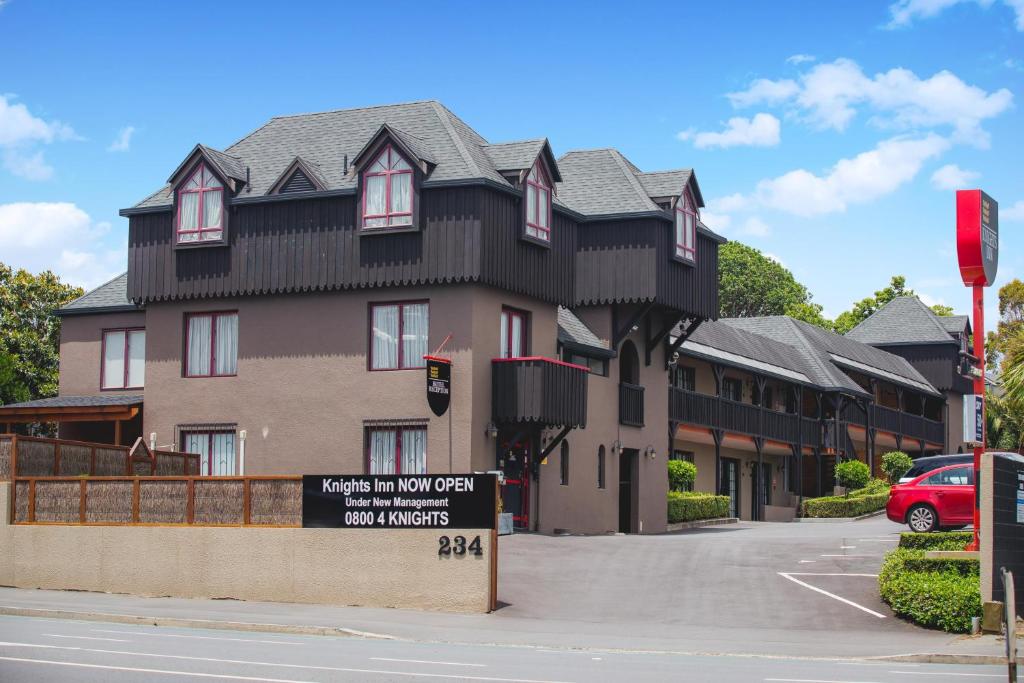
18	126
800	59
719	222
26	165
30	231
755	227
828	95
729	203
123	141
904	12
760	131
929	300
952	177
1014	212
775	258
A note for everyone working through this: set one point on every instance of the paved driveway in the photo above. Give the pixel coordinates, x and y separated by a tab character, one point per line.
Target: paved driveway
766	588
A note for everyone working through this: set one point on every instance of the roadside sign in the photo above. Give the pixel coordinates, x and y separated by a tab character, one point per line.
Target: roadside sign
974	419
977	237
439	384
397	501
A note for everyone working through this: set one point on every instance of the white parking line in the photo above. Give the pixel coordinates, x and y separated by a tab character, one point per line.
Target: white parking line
276	665
110	667
851	603
847	547
109	640
422	661
181	635
875	576
807	561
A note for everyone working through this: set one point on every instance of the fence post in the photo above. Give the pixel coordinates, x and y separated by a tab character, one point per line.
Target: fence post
14	456
31	500
136	484
190	504
246	501
81	502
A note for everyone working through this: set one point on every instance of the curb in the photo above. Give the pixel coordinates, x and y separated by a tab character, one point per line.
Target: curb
939	658
833	520
683	526
175	622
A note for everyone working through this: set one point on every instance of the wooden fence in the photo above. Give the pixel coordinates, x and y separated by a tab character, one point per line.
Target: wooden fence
31	456
265	501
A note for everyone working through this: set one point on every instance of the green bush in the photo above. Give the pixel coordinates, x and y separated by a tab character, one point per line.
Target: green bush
840	506
895	464
853	474
938	593
946	540
874	487
681	475
688	507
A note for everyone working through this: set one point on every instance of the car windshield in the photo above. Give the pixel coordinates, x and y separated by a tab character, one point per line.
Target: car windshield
955	476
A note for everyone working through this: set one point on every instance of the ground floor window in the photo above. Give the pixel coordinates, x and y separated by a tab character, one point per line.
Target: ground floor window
216	451
396	450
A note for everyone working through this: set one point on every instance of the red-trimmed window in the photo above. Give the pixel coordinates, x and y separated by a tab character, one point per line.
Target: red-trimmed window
398	335
387	191
513	333
686	228
396	450
216	450
200	207
211	344
123	359
538	203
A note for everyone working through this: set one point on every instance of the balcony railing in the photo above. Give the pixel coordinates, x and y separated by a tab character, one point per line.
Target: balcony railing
631	404
700	409
543	391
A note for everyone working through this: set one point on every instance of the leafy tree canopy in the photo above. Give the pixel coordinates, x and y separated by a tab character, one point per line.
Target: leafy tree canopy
863	309
1004	347
30	332
751	284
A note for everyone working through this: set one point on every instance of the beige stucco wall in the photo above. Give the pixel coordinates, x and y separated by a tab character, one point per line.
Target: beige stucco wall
704	459
371	568
81	344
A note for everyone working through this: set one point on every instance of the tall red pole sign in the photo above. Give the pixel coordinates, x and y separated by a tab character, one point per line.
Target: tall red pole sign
977	248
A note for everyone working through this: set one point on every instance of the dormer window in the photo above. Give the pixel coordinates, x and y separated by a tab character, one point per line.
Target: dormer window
201	207
686	229
538	203
387	191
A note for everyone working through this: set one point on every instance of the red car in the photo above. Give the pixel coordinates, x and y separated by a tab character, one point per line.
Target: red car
940	499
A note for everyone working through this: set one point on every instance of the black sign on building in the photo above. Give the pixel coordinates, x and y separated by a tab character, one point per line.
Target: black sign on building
397	501
1008	523
439	384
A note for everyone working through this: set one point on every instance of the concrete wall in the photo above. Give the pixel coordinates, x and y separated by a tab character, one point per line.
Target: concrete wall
369	568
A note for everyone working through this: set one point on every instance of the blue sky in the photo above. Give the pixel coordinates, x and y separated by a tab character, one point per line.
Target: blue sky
829	135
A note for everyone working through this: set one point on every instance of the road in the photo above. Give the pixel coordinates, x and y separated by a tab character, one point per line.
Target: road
33	649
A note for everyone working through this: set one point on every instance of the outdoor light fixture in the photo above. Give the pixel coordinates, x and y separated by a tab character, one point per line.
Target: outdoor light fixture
649	452
616	447
491	430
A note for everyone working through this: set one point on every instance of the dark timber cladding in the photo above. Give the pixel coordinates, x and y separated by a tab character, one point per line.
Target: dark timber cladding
615	260
312	244
539	391
937	362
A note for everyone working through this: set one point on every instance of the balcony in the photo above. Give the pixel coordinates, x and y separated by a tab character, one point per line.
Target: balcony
906	424
541	391
631	404
688	407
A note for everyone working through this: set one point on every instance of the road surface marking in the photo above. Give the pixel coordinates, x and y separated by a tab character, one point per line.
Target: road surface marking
275	665
948	673
847	547
874	576
181	635
813	680
109	640
807	561
851	603
422	661
110	667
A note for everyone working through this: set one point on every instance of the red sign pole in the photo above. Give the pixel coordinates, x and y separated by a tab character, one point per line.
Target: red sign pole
979	388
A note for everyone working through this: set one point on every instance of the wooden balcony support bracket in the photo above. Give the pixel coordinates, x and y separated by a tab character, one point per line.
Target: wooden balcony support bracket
685	334
651	341
619	333
559	438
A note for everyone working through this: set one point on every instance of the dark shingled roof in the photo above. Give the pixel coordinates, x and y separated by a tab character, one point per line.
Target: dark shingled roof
716	340
508	156
904	320
109	297
574	331
80	401
602	182
955	324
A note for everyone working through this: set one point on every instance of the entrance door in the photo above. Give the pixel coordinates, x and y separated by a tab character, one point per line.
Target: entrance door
760	489
627	461
731	484
515	494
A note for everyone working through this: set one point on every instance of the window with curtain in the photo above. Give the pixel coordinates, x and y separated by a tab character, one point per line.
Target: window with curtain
686	228
398	335
216	451
400	450
513	333
211	344
123	359
538	203
387	191
563	463
200	207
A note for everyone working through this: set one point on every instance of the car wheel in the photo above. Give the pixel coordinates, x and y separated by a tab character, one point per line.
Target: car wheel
922	518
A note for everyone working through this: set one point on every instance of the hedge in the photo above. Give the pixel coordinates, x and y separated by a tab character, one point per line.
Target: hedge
947	540
688	507
938	593
839	506
874	487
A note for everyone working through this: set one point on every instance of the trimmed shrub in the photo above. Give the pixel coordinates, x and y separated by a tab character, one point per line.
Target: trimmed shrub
895	464
937	593
874	487
681	475
946	540
853	474
689	507
842	506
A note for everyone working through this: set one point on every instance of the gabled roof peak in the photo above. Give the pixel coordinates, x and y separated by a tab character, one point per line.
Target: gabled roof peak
903	320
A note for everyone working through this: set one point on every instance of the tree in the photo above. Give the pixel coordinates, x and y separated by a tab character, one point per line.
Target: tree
30	332
810	313
751	284
852	474
1004	423
895	464
863	309
681	475
1006	343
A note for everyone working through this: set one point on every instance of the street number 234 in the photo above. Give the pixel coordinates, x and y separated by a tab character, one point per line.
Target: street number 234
458	546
